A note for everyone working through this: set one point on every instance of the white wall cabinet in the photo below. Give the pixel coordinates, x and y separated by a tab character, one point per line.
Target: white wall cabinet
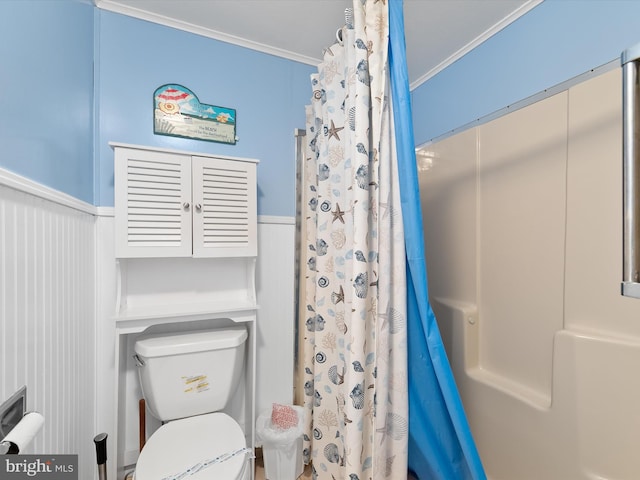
175	204
185	255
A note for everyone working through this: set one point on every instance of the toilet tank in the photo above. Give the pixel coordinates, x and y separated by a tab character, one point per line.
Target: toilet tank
190	373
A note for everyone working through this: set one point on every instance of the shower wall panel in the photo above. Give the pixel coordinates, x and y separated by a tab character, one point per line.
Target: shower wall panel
521	218
450	170
594	210
523	241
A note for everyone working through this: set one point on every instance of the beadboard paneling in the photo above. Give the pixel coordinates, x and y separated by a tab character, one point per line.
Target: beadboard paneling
275	323
47	341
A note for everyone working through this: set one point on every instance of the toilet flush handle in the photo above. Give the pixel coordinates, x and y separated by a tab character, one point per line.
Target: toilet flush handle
139	361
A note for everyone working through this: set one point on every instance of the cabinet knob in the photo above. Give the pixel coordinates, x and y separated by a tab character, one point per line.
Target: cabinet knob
198	207
186	205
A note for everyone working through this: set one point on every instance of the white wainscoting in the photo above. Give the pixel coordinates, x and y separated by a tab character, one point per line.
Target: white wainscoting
57	289
275	293
47	291
274	338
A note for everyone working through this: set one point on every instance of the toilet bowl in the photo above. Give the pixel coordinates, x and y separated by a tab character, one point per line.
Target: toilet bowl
179	446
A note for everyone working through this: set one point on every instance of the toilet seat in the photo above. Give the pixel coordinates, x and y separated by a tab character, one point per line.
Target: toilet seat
181	444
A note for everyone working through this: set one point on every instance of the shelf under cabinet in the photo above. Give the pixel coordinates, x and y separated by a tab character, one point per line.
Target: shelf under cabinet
137	319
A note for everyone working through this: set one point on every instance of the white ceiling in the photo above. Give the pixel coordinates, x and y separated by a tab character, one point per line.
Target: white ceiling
437	32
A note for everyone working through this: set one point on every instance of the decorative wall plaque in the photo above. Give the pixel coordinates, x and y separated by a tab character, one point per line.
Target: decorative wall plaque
179	113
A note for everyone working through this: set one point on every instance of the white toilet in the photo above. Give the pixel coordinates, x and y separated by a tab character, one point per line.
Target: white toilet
186	379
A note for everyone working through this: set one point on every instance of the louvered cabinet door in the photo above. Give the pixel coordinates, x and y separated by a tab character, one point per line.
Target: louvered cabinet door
224	213
152	204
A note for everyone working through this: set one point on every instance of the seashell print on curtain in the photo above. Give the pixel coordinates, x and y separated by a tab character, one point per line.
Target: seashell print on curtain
354	372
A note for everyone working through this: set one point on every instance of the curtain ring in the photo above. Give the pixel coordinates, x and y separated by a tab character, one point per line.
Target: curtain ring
339	36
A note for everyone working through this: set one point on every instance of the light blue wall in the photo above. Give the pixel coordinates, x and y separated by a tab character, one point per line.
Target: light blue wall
554	42
47	51
46	99
268	93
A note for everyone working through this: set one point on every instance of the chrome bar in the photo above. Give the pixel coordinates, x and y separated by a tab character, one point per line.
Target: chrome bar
630	60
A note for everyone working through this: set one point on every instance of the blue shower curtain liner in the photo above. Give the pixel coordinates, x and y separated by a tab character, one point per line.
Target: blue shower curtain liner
440	441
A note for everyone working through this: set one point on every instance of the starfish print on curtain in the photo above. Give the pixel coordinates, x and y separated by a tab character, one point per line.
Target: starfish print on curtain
354	350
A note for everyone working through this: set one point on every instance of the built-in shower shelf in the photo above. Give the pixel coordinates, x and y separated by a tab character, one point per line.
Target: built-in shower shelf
534	398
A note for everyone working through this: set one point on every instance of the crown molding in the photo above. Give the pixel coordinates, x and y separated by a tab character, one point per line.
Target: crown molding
115	7
512	17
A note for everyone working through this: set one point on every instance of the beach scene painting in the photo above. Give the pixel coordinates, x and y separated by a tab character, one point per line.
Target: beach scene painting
179	113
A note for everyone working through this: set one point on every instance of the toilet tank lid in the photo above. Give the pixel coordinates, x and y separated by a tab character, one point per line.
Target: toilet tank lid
166	344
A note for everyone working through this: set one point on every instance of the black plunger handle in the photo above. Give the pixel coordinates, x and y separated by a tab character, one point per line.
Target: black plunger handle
101	448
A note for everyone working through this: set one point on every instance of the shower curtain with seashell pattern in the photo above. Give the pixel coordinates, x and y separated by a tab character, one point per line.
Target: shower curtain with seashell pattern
352	351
